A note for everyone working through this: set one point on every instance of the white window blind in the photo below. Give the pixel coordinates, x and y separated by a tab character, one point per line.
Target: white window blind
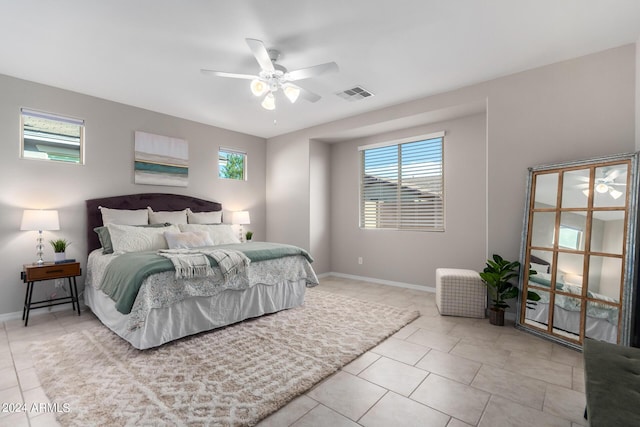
401	184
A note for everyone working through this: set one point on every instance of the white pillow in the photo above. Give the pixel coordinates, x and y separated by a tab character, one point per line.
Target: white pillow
204	217
540	268
124	216
188	239
221	234
172	217
127	238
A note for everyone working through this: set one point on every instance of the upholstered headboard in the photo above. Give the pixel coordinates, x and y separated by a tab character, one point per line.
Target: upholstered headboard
157	202
537	260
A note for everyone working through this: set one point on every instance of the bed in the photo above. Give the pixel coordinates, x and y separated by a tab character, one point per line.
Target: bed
602	319
161	307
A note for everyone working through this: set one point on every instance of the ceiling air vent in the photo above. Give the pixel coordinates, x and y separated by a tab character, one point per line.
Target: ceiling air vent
355	94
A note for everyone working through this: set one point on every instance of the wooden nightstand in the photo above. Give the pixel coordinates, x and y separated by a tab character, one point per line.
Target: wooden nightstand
35	273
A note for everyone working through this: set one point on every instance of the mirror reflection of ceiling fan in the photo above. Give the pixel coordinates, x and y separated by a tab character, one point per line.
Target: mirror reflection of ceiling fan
606	183
274	77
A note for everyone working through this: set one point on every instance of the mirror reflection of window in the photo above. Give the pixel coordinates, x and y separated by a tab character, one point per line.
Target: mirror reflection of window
574	183
546	191
571	232
610	186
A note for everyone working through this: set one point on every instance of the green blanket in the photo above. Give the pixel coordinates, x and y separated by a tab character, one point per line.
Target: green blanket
125	274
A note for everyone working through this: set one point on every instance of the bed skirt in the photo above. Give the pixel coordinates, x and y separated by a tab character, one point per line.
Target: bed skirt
569	321
197	314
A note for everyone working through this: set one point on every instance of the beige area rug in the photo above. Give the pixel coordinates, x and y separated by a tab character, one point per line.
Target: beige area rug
233	376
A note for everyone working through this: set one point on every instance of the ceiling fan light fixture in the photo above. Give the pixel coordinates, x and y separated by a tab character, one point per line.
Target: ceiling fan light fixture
602	188
615	193
292	93
269	102
258	87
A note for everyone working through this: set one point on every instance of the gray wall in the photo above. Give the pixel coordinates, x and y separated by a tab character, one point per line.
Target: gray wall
571	110
320	205
108	170
288	190
407	256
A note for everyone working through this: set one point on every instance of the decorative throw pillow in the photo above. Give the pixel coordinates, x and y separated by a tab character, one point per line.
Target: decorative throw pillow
126	238
105	237
188	239
221	234
124	216
171	217
204	217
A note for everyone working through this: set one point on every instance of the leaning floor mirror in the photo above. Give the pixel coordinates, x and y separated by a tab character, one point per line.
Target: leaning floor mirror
579	243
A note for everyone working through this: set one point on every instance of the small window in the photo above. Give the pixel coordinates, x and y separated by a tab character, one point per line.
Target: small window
232	164
401	184
569	237
47	136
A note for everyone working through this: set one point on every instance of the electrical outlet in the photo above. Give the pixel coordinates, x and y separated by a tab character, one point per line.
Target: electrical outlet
59	283
360	260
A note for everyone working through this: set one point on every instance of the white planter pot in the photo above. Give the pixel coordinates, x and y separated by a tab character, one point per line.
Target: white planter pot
59	256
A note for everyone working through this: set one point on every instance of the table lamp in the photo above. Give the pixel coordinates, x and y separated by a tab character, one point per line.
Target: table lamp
241	218
40	220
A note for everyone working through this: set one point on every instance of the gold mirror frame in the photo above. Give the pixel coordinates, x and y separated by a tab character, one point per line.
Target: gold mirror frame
587	288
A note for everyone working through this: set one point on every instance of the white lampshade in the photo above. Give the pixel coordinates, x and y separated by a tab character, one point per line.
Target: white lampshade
241	217
615	193
269	102
258	87
292	93
40	220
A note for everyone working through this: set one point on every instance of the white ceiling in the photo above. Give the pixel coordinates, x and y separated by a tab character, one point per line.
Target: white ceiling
148	53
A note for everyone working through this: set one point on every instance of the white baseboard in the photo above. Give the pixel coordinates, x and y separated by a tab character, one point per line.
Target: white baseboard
380	281
37	311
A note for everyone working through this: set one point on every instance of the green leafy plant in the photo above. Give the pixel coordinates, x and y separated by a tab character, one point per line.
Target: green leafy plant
59	245
249	235
497	277
234	167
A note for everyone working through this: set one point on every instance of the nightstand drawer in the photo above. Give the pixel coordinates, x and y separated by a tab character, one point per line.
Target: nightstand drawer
51	271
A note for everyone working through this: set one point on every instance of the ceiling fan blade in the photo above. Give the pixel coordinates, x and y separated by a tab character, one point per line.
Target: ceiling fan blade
308	95
231	75
615	173
586	185
316	70
261	54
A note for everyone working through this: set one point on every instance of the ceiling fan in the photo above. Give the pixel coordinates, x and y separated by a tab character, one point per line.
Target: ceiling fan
605	183
274	77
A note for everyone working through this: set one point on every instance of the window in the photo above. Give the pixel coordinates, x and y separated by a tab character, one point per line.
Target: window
232	164
401	184
47	136
569	237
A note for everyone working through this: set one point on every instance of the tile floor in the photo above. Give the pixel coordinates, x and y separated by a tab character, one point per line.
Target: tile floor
437	371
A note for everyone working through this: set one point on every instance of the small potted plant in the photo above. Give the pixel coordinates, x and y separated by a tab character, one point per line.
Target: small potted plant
249	235
497	277
59	249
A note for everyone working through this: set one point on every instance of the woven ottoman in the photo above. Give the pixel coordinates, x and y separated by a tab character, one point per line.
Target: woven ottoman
460	293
